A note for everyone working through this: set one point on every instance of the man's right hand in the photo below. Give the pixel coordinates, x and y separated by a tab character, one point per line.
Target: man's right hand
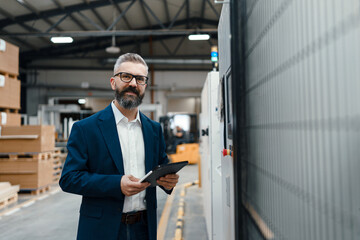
130	185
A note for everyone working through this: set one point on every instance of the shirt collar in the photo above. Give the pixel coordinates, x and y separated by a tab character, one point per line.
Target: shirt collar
120	117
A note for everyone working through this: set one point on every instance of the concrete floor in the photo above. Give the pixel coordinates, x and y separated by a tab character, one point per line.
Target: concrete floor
54	215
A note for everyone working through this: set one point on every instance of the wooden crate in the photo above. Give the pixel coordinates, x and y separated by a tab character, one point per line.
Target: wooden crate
9	91
9	58
37	138
10	119
30	171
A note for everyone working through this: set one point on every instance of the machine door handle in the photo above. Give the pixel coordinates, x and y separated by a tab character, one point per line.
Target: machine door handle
205	132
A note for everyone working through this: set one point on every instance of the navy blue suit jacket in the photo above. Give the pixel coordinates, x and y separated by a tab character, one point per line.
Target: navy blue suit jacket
94	167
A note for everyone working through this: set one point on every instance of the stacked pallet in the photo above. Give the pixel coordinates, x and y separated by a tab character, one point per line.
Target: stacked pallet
9	85
26	152
57	165
27	157
8	194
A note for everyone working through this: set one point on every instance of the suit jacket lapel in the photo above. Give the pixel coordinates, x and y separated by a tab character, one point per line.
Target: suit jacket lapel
108	129
148	134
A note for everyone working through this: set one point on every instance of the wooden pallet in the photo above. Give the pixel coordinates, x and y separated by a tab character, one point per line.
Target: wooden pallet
57	151
56	177
9	110
8	194
10	75
57	167
8	200
36	191
26	155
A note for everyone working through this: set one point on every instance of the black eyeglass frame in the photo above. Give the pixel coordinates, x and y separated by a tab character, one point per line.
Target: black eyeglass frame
133	76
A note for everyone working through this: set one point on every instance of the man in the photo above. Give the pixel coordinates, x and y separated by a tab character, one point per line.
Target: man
179	138
179	132
108	153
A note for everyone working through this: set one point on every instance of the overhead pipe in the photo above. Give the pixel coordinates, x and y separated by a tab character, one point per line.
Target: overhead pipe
120	33
170	61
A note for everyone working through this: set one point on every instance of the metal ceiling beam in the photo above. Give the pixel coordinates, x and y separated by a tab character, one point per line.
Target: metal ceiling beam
212	7
110	68
166	47
97	15
177	15
122	33
121	15
35	11
71	16
163	61
62	51
120	12
166	10
178	61
187	14
94	44
153	14
147	19
197	56
25	26
20	41
91	21
202	11
56	12
57	23
178	46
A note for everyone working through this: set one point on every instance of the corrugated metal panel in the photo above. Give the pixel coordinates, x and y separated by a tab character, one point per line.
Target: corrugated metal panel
303	116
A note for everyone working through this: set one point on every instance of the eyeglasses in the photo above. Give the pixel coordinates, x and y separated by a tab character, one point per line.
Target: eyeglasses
128	77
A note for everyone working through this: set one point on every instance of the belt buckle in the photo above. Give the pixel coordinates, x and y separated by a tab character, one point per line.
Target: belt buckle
127	219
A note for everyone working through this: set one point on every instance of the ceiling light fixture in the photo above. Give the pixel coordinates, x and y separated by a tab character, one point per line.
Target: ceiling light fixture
197	37
62	39
81	101
113	49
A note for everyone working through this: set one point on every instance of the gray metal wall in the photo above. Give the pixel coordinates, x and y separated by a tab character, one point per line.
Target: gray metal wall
303	117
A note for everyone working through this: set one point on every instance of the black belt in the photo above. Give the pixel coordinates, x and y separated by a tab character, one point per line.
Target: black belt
133	217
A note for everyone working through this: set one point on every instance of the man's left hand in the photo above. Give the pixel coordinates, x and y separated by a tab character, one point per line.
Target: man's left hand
168	181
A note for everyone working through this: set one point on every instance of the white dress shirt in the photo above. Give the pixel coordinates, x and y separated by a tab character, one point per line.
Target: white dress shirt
133	153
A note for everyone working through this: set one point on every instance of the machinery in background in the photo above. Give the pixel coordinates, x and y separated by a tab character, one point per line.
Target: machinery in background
226	128
210	151
187	122
186	152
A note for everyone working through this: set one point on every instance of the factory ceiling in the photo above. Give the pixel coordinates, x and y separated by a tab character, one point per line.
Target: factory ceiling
156	29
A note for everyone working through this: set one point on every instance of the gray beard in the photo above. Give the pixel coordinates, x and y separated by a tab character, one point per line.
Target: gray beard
128	102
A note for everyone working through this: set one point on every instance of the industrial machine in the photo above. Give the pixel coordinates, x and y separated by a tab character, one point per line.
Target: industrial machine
210	155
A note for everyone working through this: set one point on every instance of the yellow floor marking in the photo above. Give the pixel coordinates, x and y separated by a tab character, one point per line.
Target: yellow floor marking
165	216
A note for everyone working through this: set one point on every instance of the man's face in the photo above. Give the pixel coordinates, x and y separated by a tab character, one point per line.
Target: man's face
129	95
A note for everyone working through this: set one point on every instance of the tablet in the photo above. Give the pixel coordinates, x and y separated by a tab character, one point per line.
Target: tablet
162	170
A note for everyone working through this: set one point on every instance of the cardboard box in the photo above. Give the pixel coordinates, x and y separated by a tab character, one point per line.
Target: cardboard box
30	139
9	58
14	94
30	172
10	119
9	92
4	91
